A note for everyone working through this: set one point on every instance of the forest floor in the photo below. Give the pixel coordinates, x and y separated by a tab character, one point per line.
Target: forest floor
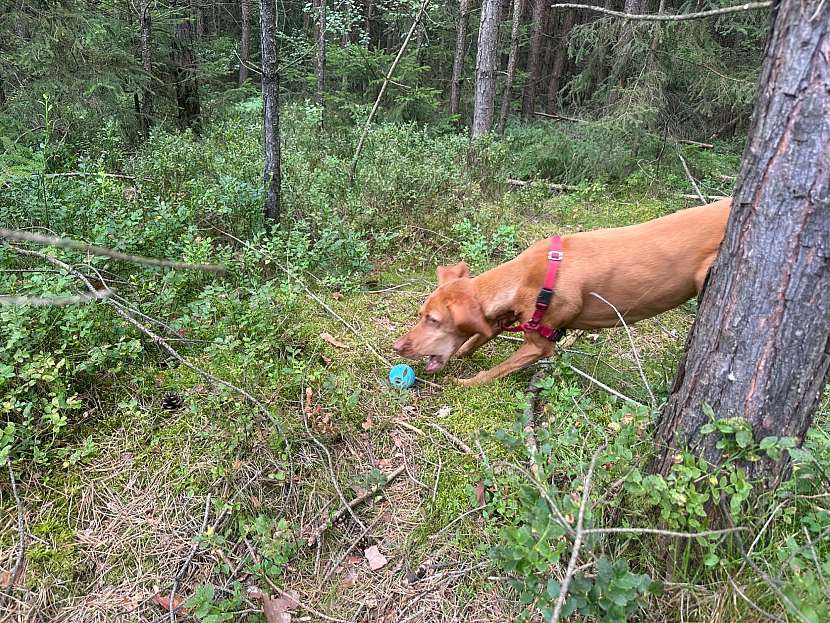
177	485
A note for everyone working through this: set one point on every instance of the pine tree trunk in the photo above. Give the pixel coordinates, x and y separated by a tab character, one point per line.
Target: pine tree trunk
145	111
507	96
271	106
244	40
184	63
460	53
760	346
534	57
320	37
560	55
485	93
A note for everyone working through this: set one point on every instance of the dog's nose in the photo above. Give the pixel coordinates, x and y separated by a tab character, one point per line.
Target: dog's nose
400	345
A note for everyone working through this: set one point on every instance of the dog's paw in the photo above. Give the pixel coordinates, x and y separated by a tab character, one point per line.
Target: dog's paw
471	382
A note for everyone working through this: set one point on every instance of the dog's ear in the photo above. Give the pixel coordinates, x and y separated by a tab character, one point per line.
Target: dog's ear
448	273
469	319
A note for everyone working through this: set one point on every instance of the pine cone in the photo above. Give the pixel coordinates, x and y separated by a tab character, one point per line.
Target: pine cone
172	402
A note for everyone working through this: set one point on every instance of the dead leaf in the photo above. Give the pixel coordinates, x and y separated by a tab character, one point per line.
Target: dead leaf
353	559
369	423
255	503
276	610
349	579
328	337
337	296
237	465
163	601
480	494
443	411
375	559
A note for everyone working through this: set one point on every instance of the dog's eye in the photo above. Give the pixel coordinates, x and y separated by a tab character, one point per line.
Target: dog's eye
433	320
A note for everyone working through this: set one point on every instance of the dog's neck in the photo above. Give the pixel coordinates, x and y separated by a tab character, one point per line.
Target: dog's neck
497	291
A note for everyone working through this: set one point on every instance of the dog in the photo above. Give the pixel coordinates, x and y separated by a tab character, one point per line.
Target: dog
642	270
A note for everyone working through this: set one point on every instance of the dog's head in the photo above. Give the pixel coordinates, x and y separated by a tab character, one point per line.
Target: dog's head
450	316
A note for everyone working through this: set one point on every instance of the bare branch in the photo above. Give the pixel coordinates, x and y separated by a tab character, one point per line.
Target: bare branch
455	440
186	563
67	243
602	385
21	535
55	301
633	348
669	533
580	534
691	179
662	17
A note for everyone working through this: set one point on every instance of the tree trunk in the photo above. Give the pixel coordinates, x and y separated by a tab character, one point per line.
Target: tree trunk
184	63
560	55
145	110
460	53
486	69
533	57
760	346
244	40
271	110
507	96
320	37
372	36
198	19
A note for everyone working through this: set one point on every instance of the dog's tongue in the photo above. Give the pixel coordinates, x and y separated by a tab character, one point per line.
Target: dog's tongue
433	363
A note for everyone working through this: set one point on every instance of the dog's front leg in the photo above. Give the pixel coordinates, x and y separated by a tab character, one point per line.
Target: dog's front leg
473	344
532	350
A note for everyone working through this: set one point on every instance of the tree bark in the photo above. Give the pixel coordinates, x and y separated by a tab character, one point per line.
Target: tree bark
271	110
560	55
145	109
460	53
760	346
244	40
534	57
320	37
486	69
507	96
184	63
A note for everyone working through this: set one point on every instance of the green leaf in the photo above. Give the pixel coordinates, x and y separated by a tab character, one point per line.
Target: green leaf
743	438
553	588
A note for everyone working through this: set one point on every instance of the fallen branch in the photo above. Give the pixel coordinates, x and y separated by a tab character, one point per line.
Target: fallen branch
706	198
21	535
119	176
184	566
691	179
374	491
579	536
633	347
663	17
67	243
529	418
550	186
602	385
686	141
54	301
539	113
455	440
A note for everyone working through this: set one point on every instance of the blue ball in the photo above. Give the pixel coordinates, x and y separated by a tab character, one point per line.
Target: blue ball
402	376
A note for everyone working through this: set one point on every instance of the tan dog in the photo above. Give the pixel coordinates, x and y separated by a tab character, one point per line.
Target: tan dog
642	270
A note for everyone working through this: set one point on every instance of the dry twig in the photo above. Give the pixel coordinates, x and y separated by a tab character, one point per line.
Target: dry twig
529	417
580	534
184	566
350	506
691	179
633	347
21	535
455	440
66	243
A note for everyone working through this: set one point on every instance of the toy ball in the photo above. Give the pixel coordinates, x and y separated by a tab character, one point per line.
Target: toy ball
402	376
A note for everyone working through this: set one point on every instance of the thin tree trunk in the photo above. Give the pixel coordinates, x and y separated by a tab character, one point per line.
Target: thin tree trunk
244	40
320	36
559	57
198	19
507	96
145	111
460	53
533	57
371	26
271	113
760	346
485	93
184	63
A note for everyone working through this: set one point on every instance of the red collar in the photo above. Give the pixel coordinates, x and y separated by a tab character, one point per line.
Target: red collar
534	325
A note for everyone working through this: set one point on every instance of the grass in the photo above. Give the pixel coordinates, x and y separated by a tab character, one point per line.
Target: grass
110	530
